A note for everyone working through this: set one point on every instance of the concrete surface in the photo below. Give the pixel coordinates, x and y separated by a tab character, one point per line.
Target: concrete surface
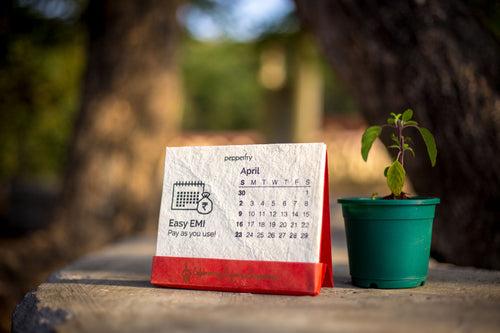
109	291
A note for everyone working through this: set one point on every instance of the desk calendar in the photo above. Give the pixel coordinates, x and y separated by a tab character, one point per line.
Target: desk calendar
249	218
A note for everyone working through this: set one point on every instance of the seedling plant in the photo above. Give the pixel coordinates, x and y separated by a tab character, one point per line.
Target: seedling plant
395	173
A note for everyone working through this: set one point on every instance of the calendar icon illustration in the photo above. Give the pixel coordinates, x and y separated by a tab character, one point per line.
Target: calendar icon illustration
191	195
187	194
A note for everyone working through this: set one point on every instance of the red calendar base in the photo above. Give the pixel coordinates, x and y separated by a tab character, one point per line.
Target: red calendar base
263	277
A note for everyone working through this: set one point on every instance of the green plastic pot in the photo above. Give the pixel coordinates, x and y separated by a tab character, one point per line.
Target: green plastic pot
388	241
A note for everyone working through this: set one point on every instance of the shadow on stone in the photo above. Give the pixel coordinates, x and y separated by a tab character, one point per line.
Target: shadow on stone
28	317
108	282
341	277
114	264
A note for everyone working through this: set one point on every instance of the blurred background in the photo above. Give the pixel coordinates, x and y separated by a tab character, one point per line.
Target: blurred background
92	91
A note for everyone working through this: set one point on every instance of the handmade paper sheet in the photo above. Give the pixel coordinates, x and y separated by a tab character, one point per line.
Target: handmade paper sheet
248	202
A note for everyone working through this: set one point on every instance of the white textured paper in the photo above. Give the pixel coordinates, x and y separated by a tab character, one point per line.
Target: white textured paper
265	202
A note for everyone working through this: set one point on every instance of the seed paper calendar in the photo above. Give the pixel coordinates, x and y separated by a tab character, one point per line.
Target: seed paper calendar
249	218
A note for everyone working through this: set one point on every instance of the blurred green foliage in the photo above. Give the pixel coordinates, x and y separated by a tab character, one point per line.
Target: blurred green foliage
222	89
220	84
41	64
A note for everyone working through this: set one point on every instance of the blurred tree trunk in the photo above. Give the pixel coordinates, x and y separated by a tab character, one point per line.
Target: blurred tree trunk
131	104
439	59
275	78
308	91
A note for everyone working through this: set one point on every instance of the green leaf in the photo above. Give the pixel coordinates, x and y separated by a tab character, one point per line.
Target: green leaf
390	121
407	114
394	146
396	177
368	138
385	171
411	123
430	143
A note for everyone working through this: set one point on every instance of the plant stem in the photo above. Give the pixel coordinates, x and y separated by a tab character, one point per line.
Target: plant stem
401	142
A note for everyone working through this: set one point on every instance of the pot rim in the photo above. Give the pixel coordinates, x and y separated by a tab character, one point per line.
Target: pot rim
418	200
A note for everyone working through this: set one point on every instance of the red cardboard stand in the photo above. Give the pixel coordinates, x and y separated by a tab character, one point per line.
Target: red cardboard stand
269	277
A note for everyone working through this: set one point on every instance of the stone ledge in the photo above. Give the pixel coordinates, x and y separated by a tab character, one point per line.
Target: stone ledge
109	291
